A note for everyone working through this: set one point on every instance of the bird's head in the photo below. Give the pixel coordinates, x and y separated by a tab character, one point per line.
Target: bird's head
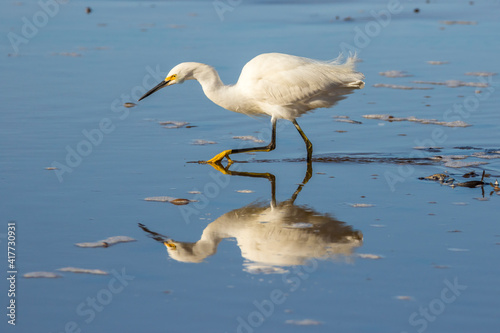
177	75
187	252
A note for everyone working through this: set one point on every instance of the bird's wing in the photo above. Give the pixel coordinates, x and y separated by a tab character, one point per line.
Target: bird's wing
280	79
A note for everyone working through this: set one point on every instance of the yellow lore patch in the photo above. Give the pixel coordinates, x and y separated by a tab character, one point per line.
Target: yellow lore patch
171	77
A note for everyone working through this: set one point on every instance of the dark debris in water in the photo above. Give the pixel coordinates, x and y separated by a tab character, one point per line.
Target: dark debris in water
471	184
447	179
172	200
429	149
367	158
361	158
470	174
467	148
374	159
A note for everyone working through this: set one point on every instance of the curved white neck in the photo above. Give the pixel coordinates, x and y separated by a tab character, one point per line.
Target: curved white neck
213	87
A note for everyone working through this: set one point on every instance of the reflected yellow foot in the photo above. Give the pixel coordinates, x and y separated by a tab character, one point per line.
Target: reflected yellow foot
219	167
219	157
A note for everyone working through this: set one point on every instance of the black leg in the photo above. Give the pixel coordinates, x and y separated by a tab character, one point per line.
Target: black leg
269	147
309	145
226	153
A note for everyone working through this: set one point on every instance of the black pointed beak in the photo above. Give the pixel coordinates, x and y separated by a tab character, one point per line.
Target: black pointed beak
155	89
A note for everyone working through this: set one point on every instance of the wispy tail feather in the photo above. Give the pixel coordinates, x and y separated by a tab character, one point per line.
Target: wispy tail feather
356	84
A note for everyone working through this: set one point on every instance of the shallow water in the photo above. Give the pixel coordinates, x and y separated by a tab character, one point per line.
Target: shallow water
298	266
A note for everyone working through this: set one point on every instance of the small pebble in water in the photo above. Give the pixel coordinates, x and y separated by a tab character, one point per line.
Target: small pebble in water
369	256
88	10
362	205
129	105
172	200
431	62
180	202
404	298
244	191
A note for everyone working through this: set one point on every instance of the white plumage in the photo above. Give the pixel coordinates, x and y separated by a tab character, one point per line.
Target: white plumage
273	237
278	85
286	86
270	236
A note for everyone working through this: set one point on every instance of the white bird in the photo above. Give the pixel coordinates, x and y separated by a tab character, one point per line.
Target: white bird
285	235
278	85
270	236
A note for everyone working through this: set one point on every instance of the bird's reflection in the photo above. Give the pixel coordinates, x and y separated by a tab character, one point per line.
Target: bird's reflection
270	236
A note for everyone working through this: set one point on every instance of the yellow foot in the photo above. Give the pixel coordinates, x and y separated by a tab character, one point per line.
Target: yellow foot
219	157
219	167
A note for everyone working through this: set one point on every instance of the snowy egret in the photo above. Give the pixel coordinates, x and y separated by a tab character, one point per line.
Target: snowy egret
270	236
286	235
278	85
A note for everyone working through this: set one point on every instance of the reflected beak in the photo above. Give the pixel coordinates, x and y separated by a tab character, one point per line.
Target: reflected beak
155	89
170	245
